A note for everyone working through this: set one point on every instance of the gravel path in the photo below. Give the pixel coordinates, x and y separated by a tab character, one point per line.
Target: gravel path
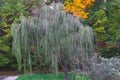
9	78
1	78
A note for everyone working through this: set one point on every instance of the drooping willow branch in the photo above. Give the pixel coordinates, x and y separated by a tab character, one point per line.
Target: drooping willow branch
55	36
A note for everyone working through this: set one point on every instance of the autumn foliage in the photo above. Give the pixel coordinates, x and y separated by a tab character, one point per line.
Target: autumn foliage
78	7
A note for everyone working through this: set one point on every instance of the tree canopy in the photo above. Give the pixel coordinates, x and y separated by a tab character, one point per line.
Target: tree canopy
78	7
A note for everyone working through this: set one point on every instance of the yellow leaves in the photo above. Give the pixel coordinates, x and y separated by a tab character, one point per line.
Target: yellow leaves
100	29
73	9
78	7
7	31
82	14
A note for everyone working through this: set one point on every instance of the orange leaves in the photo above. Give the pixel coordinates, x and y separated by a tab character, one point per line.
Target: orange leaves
78	7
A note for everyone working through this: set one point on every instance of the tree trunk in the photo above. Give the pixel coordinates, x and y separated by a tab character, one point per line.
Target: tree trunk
64	67
66	75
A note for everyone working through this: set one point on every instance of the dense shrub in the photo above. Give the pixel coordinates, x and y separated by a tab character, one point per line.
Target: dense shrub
104	19
106	69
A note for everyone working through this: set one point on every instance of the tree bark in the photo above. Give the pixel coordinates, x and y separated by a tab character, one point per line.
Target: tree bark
64	67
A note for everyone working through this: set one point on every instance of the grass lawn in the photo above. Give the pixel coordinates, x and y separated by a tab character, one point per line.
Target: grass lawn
51	77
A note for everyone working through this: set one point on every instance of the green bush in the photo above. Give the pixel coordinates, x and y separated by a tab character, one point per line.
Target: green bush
3	60
104	18
10	10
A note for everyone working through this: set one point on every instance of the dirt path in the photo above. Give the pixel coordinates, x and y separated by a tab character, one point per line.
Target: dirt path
9	73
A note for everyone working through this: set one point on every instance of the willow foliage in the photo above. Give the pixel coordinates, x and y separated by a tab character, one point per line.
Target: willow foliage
53	35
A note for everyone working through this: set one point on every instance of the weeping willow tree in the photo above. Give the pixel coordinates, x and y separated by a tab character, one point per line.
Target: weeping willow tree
60	37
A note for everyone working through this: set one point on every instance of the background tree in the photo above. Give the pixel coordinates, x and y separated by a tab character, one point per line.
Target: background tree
105	23
10	10
78	7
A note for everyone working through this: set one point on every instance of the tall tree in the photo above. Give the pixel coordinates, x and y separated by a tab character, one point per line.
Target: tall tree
56	36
